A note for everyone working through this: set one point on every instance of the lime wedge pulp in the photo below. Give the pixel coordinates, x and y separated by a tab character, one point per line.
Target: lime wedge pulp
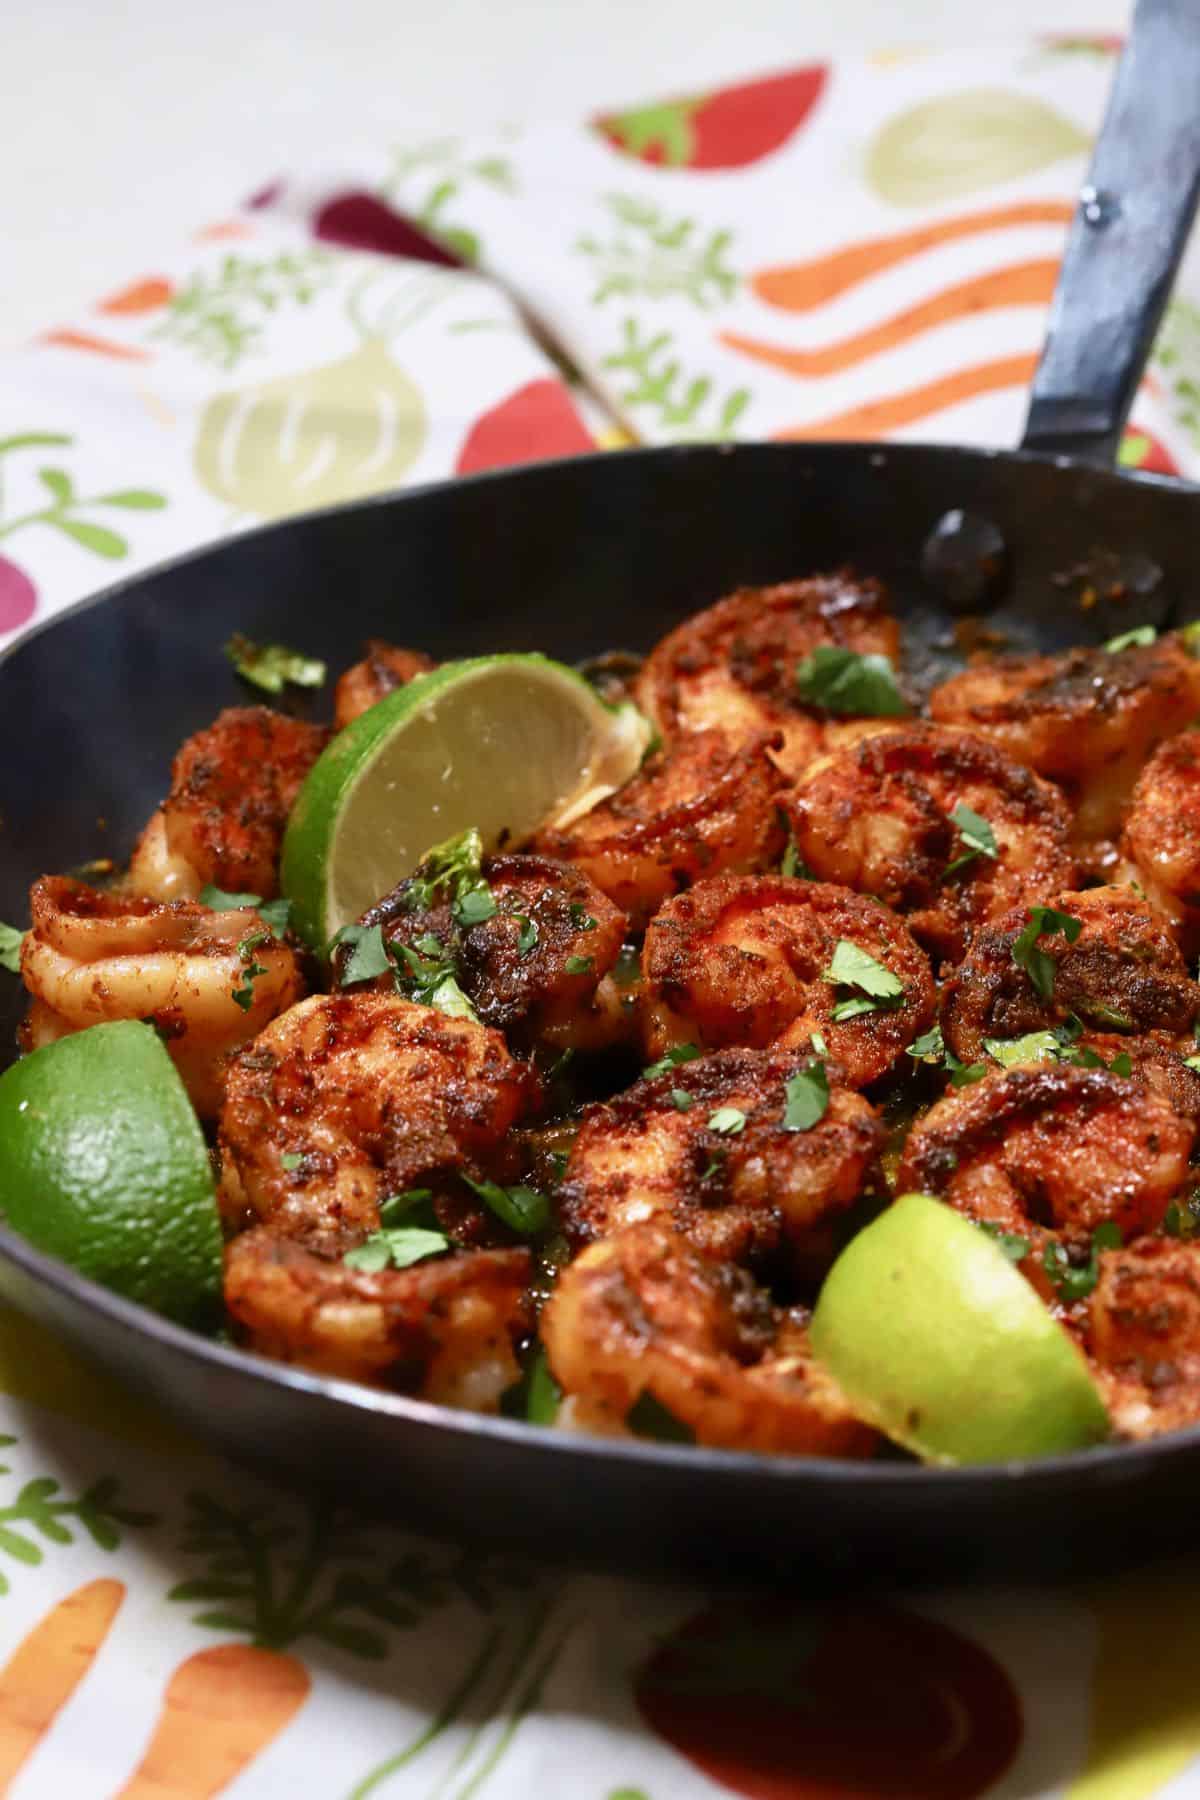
103	1163
934	1337
503	743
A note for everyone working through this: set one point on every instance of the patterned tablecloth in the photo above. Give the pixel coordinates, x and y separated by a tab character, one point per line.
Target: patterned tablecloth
858	250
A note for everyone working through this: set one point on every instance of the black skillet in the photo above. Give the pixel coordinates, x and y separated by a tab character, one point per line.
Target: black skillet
575	558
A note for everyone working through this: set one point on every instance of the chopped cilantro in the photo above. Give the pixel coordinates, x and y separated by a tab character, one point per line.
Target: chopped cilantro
1121	1065
852	967
413	1206
963	1074
806	1094
275	913
396	1248
679	1053
793	863
714	1163
977	836
244	996
929	1047
1040	967
818	1043
368	953
1035	1046
1191	1062
1181	1219
10	948
1140	636
854	1008
430	978
728	1120
580	917
290	1159
845	682
681	1100
270	666
453	871
578	965
528	936
474	908
523	1209
1074	1283
649	1418
543	1396
1016	1248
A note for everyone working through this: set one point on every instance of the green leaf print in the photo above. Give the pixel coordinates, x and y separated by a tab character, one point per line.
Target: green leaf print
686	407
426	179
96	538
41	1511
65	504
1177	354
219	316
658	257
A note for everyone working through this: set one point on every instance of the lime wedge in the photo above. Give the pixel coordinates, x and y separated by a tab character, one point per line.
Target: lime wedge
934	1337
103	1163
503	743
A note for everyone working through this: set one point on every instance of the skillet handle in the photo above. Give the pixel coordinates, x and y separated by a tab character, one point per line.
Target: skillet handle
1135	211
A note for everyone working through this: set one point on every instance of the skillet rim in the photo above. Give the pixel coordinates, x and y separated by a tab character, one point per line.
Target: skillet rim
1048	1473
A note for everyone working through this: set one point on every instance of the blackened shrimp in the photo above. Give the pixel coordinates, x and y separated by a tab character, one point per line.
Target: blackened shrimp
1050	1153
744	959
706	1144
703	806
232	788
1141	1327
732	668
878	816
645	1314
1162	833
1122	971
349	1099
538	966
1088	719
383	668
209	981
445	1329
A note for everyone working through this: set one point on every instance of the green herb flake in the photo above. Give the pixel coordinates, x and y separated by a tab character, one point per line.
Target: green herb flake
854	1008
806	1096
1121	1065
522	1209
402	1208
217	900
852	967
649	1418
682	1100
290	1159
543	1396
368	956
1040	967
849	684
475	907
1076	1283
244	996
1016	1248
10	948
819	1045
578	965
581	918
528	936
963	1074
1035	1046
396	1248
271	666
930	1047
1192	1062
1182	1218
1138	638
675	1056
728	1120
977	836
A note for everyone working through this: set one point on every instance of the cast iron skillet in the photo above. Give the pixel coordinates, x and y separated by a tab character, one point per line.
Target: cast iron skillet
575	558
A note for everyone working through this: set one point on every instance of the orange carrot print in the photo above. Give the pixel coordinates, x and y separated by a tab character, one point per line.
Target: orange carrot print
47	1667
140	297
799	287
1024	284
67	339
878	417
221	1709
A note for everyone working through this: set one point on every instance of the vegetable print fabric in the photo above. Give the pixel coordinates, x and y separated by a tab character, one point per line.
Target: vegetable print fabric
866	249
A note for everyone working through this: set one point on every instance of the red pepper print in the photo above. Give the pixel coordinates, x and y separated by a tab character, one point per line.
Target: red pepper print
1140	449
18	596
537	422
361	221
725	130
865	1703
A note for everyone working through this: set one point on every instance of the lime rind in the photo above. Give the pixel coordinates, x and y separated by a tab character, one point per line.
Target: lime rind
504	743
935	1338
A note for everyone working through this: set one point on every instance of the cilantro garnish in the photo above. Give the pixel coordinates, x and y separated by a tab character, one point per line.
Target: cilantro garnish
806	1094
523	1209
275	913
1040	967
714	1163
429	977
977	835
1015	1247
290	1159
396	1247
878	988
845	682
681	1100
1181	1220
792	863
1035	1046
368	953
413	1206
930	1047
10	948
453	871
578	965
543	1396
963	1074
474	908
244	996
528	936
679	1053
1127	640
728	1120
580	917
649	1418
270	666
1073	1283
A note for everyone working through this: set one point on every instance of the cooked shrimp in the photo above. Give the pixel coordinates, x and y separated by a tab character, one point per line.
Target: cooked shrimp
208	980
702	807
733	667
645	1313
1122	972
374	1096
383	668
539	967
232	788
877	817
445	1328
653	1151
1050	1152
1087	718
744	959
1162	833
1141	1327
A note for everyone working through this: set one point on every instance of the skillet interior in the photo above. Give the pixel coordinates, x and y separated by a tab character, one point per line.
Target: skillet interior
574	558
